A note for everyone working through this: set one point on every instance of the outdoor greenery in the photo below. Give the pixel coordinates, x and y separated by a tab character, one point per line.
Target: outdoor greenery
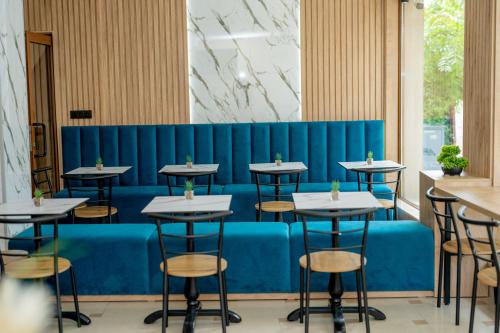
449	158
444	63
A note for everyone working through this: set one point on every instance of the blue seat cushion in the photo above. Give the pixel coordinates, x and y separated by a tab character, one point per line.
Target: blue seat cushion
131	200
258	256
109	259
400	255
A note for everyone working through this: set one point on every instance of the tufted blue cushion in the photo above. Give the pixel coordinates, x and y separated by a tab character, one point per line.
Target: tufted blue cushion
257	255
400	255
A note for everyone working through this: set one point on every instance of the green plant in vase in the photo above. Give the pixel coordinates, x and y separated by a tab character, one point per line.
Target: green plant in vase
278	159
369	158
335	190
188	190
189	161
450	160
99	164
38	197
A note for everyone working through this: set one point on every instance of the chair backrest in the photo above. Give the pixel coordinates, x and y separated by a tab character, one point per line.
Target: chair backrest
489	225
335	233
42	181
190	237
88	186
446	220
51	249
292	180
380	177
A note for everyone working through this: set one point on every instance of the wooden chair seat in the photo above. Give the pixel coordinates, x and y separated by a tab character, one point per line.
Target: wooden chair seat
388	204
333	261
93	212
452	247
195	265
488	276
35	267
276	206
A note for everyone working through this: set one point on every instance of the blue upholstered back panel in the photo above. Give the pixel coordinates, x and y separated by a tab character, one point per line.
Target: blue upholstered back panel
320	145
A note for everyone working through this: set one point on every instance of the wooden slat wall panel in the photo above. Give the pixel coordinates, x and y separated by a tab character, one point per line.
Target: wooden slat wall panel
125	60
479	64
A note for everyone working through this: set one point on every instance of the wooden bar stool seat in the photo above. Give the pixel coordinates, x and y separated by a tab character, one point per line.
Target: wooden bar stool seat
275	206
488	276
333	262
192	266
36	267
94	212
452	247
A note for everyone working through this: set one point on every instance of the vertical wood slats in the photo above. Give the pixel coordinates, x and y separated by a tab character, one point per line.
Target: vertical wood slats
343	65
125	60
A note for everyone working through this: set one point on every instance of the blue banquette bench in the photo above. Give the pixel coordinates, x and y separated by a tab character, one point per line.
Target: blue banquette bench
320	145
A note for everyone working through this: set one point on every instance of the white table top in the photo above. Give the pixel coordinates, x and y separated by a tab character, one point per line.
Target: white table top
182	168
49	206
179	204
323	200
285	166
116	170
375	165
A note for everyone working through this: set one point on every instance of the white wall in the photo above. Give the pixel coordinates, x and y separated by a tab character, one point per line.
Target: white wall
15	179
412	99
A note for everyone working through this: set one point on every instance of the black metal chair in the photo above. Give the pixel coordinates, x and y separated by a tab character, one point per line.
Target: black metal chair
487	276
447	225
42	263
193	264
99	207
42	181
389	204
336	259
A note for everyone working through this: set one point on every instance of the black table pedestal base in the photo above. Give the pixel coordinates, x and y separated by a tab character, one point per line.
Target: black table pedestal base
190	316
84	320
338	314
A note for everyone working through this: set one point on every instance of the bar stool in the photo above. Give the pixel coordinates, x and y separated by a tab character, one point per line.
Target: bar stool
389	204
39	265
99	208
481	248
193	264
41	180
335	259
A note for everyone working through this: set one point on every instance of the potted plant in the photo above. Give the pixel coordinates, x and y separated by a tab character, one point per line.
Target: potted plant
451	163
277	159
189	161
38	197
335	190
188	190
99	164
369	158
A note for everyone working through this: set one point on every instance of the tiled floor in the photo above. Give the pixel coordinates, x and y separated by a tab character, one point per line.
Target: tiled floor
403	315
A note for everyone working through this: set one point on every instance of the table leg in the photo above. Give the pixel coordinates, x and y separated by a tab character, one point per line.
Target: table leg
209	189
447	261
278	217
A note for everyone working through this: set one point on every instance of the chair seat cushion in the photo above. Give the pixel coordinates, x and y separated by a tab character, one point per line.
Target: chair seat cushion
109	259
196	265
400	255
333	261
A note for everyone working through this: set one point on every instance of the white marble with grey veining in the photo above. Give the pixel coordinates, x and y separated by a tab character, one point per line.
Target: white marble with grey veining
323	200
375	165
182	168
15	179
179	204
285	166
48	207
118	170
244	60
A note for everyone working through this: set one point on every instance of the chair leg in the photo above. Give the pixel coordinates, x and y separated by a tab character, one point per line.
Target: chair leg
440	275
301	291
387	211
164	321
358	291
75	295
226	306
497	314
308	298
396	214
473	304
459	276
365	299
222	305
58	303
